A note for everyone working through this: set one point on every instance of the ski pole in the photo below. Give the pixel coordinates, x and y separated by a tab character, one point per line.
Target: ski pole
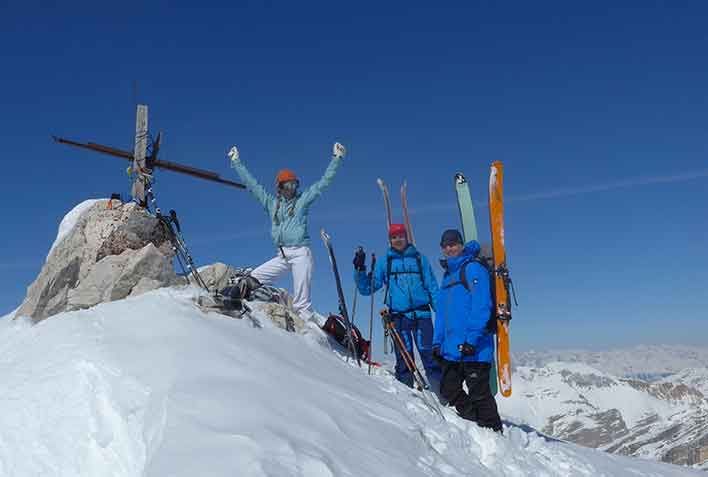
371	313
340	294
356	294
408	359
430	400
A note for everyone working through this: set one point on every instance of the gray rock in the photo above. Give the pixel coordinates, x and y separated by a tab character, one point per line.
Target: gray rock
216	276
281	315
107	255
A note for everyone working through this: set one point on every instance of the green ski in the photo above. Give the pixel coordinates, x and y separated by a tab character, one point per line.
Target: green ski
466	208
469	230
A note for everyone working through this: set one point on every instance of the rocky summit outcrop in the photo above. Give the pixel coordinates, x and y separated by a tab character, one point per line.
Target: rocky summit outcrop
102	254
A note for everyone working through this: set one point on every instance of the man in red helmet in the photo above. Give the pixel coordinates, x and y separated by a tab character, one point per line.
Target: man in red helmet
410	289
288	210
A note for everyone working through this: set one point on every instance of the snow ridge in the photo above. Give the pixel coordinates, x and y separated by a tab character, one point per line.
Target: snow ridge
151	386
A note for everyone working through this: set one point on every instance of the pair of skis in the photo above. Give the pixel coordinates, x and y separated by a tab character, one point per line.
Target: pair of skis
502	281
406	221
404	206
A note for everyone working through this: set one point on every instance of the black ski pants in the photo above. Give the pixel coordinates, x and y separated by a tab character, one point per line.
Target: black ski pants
477	404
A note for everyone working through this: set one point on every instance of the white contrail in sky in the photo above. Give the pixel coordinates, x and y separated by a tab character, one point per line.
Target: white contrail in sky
557	192
631	182
367	215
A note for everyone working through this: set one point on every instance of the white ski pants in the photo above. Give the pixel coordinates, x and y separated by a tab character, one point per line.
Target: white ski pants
298	260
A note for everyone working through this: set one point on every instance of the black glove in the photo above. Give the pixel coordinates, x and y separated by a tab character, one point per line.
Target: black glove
436	353
359	260
466	349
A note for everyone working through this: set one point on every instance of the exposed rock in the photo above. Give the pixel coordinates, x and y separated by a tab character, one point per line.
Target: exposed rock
116	277
283	316
106	255
216	276
609	425
668	391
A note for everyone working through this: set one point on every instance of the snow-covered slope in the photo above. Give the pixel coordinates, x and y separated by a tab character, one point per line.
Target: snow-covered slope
151	386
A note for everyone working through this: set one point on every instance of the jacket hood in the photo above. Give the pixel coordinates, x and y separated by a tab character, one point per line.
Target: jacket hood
470	251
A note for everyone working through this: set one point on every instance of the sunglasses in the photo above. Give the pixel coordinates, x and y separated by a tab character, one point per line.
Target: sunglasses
289	185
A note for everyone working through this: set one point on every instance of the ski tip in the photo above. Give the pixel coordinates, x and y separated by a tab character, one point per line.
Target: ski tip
460	178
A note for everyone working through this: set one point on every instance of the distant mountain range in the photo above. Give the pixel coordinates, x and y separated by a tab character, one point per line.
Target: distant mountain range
648	363
648	401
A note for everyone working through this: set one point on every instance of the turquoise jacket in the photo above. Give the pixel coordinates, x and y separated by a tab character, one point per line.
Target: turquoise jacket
289	217
410	290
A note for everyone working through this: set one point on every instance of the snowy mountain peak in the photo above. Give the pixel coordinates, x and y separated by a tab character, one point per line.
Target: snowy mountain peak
152	386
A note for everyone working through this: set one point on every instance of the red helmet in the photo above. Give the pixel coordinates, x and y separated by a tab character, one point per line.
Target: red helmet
285	175
397	229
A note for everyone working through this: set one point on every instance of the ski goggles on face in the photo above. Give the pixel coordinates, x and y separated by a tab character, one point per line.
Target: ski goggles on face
289	185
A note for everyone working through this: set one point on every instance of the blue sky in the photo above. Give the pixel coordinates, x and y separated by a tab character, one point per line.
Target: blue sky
598	111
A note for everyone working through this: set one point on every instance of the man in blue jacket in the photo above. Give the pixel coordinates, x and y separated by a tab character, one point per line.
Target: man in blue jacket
410	288
288	210
463	341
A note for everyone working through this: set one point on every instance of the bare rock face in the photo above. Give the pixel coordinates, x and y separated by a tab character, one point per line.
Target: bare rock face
284	317
107	255
216	276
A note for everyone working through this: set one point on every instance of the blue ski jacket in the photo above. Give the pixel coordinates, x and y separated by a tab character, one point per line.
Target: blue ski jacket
411	284
289	217
461	315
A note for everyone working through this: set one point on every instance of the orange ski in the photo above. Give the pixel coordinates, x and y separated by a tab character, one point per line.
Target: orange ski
502	281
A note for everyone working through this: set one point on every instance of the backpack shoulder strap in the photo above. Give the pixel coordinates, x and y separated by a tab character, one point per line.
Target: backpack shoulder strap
419	260
463	269
463	273
389	259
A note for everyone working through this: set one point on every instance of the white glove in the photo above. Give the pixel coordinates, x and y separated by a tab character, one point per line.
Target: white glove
338	150
233	155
